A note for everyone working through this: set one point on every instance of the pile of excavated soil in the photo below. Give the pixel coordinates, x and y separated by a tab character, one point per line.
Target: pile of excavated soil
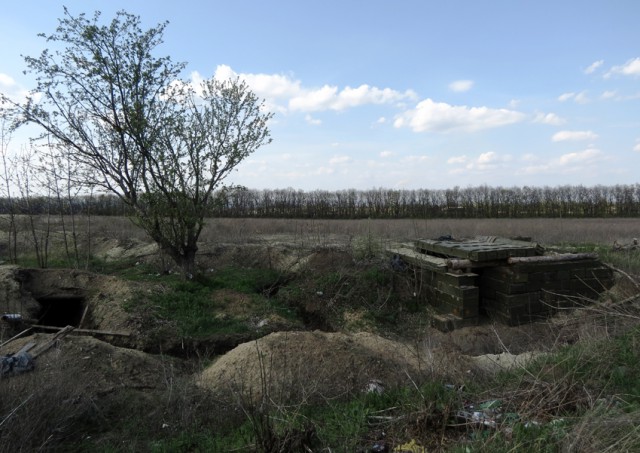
113	250
297	366
99	366
493	363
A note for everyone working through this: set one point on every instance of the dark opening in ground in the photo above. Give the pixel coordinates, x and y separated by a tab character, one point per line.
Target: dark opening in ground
61	311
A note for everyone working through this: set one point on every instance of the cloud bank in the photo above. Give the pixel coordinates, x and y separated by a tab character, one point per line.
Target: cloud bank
431	116
562	136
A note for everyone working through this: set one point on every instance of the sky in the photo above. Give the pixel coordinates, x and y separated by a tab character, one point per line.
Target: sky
406	94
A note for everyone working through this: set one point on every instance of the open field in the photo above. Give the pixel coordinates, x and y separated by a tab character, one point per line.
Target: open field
298	336
546	231
549	231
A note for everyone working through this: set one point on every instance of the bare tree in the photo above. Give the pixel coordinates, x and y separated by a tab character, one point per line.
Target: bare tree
160	144
7	176
34	205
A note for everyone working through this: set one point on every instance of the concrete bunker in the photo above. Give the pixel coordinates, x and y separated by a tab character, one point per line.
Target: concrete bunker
509	280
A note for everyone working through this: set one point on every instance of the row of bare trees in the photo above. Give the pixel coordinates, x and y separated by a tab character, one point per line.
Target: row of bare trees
470	202
51	194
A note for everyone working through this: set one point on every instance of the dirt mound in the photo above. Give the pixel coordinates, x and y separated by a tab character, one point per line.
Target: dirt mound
112	250
493	363
100	366
328	260
296	366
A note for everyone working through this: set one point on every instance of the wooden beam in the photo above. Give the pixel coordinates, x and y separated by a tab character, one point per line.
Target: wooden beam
87	331
62	332
415	258
15	337
553	258
457	264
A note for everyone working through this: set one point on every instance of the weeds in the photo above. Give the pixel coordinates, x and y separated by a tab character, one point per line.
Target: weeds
581	397
367	247
39	413
356	424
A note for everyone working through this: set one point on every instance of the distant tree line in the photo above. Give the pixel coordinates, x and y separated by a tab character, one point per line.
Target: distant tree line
469	202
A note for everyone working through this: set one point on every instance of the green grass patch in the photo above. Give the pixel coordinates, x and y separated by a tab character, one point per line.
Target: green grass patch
347	425
245	280
199	308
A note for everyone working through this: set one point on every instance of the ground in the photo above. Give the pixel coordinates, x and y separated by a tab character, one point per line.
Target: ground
328	355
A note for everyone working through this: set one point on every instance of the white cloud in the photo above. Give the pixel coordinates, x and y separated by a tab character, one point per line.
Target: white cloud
581	157
576	162
324	171
593	66
381	120
337	160
315	100
385	154
609	94
311	120
566	96
484	162
415	159
562	136
430	116
548	118
6	80
331	98
12	89
457	160
580	98
637	147
630	68
486	158
283	93
264	85
460	86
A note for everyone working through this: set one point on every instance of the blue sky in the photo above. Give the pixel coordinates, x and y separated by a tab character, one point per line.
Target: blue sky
403	94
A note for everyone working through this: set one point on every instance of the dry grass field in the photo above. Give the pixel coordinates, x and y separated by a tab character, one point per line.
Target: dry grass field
546	231
319	232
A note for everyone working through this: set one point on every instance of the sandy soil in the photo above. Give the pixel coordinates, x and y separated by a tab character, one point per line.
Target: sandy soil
294	366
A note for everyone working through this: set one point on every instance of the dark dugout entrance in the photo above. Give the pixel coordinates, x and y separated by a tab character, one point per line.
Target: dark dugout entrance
61	310
55	298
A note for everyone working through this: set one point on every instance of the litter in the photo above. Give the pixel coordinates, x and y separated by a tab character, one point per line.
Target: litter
16	364
410	447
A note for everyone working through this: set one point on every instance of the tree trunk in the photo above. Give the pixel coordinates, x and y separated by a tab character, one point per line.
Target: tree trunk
183	256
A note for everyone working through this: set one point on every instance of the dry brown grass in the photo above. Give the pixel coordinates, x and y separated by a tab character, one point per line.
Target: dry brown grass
549	231
546	231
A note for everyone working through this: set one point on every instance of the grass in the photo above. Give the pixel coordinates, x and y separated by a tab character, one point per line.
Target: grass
203	306
356	424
